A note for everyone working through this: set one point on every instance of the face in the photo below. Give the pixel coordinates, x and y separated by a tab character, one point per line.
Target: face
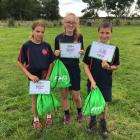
104	34
38	33
70	24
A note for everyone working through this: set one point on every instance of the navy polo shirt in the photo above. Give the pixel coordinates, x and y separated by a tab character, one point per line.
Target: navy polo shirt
36	57
102	76
63	38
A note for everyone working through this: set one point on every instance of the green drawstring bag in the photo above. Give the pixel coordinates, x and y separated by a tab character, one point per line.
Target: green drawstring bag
46	103
94	103
59	76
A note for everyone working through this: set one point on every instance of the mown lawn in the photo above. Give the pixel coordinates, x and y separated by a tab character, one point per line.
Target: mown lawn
15	102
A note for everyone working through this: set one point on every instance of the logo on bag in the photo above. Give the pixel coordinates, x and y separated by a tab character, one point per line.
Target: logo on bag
60	78
96	109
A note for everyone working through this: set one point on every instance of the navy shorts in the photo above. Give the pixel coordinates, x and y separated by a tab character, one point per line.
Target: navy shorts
106	92
75	78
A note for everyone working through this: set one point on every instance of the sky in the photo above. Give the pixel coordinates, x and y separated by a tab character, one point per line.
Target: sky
75	6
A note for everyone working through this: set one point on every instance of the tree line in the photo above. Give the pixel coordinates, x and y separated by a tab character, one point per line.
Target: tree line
29	9
49	9
117	8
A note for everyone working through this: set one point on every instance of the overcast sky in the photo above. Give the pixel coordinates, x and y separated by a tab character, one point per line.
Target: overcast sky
75	6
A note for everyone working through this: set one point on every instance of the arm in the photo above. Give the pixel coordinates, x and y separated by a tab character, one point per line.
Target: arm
49	71
27	73
106	66
57	50
88	73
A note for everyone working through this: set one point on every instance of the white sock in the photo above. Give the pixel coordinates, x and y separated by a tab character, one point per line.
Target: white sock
36	119
49	116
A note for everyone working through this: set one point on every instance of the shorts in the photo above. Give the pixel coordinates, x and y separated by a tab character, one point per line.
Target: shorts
74	73
106	92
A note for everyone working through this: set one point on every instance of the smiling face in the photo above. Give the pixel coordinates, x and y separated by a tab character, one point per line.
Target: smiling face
38	33
70	24
104	34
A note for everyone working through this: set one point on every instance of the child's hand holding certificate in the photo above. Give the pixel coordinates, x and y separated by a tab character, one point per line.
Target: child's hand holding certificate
102	51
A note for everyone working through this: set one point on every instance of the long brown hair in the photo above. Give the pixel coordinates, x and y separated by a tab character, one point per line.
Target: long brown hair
38	23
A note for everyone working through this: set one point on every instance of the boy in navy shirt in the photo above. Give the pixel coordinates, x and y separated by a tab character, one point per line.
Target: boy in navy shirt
100	73
36	61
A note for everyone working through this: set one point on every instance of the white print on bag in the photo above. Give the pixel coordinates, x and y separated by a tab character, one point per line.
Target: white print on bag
96	109
61	78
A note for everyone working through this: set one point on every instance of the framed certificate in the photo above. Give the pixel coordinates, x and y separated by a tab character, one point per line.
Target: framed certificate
70	50
40	87
102	51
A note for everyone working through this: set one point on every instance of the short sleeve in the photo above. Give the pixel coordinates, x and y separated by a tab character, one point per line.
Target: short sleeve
56	45
81	40
86	58
116	60
52	57
23	54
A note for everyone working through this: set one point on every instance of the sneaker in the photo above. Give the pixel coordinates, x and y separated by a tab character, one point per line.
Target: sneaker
48	122
103	129
80	117
66	119
36	124
91	127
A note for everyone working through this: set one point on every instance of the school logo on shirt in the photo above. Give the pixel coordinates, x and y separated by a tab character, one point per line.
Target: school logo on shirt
45	52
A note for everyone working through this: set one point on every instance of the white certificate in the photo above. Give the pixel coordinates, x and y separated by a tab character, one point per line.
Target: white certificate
40	87
102	51
70	50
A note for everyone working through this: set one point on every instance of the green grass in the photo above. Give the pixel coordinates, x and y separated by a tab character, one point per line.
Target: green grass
15	102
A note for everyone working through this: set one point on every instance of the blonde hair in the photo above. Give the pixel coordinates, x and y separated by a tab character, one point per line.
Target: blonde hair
77	30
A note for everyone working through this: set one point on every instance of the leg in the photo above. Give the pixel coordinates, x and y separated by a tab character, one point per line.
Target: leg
64	97
78	103
36	123
77	98
102	124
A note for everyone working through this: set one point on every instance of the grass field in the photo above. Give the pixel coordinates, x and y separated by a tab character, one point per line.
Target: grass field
15	102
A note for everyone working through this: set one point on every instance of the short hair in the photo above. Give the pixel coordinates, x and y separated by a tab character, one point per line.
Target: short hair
104	23
38	23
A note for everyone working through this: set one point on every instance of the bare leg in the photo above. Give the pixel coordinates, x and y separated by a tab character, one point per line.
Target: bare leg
64	98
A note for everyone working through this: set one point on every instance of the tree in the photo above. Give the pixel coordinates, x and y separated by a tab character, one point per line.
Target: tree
93	7
50	9
119	8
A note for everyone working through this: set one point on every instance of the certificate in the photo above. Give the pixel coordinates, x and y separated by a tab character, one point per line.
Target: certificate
70	50
40	87
102	51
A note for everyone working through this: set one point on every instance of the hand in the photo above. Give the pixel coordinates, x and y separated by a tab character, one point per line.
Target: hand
105	65
93	85
57	52
33	78
82	52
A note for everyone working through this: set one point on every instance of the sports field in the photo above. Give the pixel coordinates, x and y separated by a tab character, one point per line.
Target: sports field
15	102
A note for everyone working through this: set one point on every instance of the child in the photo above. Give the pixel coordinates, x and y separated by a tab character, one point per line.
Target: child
36	61
71	35
100	73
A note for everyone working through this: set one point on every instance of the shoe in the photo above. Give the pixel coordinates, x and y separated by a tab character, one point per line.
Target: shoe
91	127
66	119
36	124
80	117
48	122
103	129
